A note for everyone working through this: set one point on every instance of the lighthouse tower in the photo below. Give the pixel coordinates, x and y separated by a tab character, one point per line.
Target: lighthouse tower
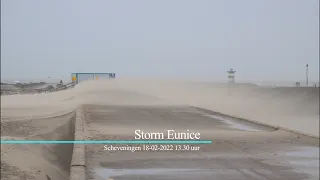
231	75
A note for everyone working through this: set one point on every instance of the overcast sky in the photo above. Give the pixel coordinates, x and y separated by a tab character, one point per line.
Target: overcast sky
260	39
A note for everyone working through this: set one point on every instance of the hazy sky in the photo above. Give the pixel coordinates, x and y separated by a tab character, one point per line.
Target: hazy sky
260	39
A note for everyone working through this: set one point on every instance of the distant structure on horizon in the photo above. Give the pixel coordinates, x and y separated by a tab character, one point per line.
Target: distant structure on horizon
307	75
231	73
78	77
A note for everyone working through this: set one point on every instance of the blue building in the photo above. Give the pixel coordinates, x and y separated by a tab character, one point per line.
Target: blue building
78	77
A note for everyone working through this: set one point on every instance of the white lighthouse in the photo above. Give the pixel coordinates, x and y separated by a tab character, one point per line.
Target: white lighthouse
231	75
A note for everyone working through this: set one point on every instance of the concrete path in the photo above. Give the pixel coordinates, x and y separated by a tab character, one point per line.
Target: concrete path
239	150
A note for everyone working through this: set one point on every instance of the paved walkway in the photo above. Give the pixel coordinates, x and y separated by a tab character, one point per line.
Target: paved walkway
239	150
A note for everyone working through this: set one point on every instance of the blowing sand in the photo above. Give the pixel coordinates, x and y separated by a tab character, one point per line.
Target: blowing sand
289	107
50	116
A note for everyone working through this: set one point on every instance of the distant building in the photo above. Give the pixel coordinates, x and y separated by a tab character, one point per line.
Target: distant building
78	77
231	73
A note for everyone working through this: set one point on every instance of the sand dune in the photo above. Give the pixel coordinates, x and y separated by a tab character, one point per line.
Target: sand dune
23	161
48	116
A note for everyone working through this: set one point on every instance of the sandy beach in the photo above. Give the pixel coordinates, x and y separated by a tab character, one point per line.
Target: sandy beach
51	116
